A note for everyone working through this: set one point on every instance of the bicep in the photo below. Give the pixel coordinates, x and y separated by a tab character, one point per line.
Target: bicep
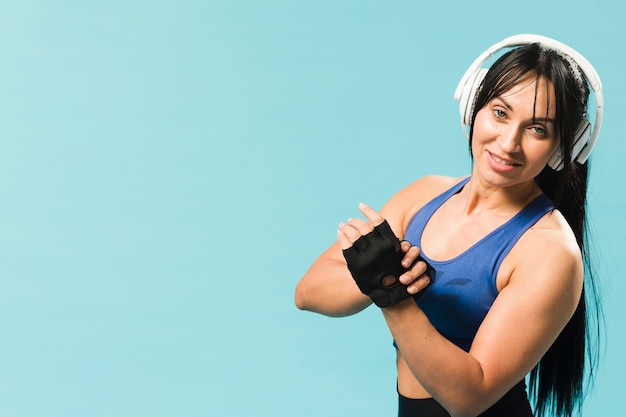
528	315
328	288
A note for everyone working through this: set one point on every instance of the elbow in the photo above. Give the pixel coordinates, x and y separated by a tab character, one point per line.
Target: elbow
309	299
299	302
300	298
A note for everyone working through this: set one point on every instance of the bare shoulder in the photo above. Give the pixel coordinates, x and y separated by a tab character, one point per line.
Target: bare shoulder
549	253
405	203
552	234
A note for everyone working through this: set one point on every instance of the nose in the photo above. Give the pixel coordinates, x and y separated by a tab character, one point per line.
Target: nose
510	139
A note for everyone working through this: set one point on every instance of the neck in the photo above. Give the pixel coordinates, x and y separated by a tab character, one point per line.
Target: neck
480	196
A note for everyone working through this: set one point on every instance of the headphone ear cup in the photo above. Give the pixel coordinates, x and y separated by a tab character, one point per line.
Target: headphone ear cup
581	139
556	162
468	95
583	135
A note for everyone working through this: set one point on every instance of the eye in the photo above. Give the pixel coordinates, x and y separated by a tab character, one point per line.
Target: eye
499	113
539	131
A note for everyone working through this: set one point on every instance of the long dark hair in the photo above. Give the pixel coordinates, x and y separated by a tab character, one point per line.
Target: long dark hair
556	382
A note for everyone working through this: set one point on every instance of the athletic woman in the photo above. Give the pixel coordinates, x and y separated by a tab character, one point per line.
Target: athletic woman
482	279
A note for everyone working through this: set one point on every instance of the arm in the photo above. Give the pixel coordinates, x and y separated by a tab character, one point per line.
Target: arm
328	288
544	276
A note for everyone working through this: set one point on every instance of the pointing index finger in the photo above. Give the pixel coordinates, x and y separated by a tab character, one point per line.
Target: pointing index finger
371	214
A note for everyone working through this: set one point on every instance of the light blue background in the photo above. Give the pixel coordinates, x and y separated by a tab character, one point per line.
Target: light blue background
169	170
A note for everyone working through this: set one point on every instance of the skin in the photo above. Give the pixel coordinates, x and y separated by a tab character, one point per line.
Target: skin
539	282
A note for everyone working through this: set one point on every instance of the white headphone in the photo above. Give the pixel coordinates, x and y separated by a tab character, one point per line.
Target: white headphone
585	138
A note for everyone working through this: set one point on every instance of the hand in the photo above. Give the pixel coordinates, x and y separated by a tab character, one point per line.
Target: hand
387	270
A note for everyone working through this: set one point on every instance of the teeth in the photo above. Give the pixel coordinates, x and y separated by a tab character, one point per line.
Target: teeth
501	161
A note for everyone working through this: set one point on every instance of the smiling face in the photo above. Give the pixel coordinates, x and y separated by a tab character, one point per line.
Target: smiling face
514	134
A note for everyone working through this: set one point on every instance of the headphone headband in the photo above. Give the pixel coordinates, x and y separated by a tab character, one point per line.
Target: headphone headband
471	80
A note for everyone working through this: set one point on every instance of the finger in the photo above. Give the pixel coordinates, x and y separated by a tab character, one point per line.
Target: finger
360	225
414	273
343	239
372	215
419	284
347	235
405	245
410	256
351	232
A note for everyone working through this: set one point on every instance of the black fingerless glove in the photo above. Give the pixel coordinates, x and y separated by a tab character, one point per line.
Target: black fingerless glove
374	262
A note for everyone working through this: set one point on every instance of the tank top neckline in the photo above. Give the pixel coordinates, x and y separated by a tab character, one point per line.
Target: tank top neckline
438	201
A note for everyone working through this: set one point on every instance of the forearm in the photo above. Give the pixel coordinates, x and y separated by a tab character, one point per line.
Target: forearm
328	288
452	376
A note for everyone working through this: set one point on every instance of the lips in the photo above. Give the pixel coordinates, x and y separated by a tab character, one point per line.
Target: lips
503	161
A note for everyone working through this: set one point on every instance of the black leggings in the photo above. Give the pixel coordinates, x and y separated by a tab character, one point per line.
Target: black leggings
513	404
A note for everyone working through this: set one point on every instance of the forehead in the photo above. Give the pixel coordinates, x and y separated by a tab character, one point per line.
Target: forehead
532	94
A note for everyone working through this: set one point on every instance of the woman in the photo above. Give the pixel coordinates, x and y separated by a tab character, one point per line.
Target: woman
490	267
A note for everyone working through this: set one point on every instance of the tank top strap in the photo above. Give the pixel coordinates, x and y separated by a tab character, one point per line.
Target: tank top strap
507	235
416	225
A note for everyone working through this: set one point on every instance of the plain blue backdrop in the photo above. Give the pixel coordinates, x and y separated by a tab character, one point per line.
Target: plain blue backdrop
169	170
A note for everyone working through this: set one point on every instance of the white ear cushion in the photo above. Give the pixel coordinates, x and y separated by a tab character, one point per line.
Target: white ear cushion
468	95
556	162
584	140
582	136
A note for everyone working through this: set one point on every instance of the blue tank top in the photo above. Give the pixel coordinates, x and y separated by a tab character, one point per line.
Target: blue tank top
464	288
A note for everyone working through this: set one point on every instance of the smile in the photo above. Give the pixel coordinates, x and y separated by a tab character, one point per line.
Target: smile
502	161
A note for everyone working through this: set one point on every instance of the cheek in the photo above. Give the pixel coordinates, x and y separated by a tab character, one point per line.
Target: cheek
542	151
482	129
551	146
483	123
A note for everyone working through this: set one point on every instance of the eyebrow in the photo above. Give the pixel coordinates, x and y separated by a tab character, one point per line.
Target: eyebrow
510	108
